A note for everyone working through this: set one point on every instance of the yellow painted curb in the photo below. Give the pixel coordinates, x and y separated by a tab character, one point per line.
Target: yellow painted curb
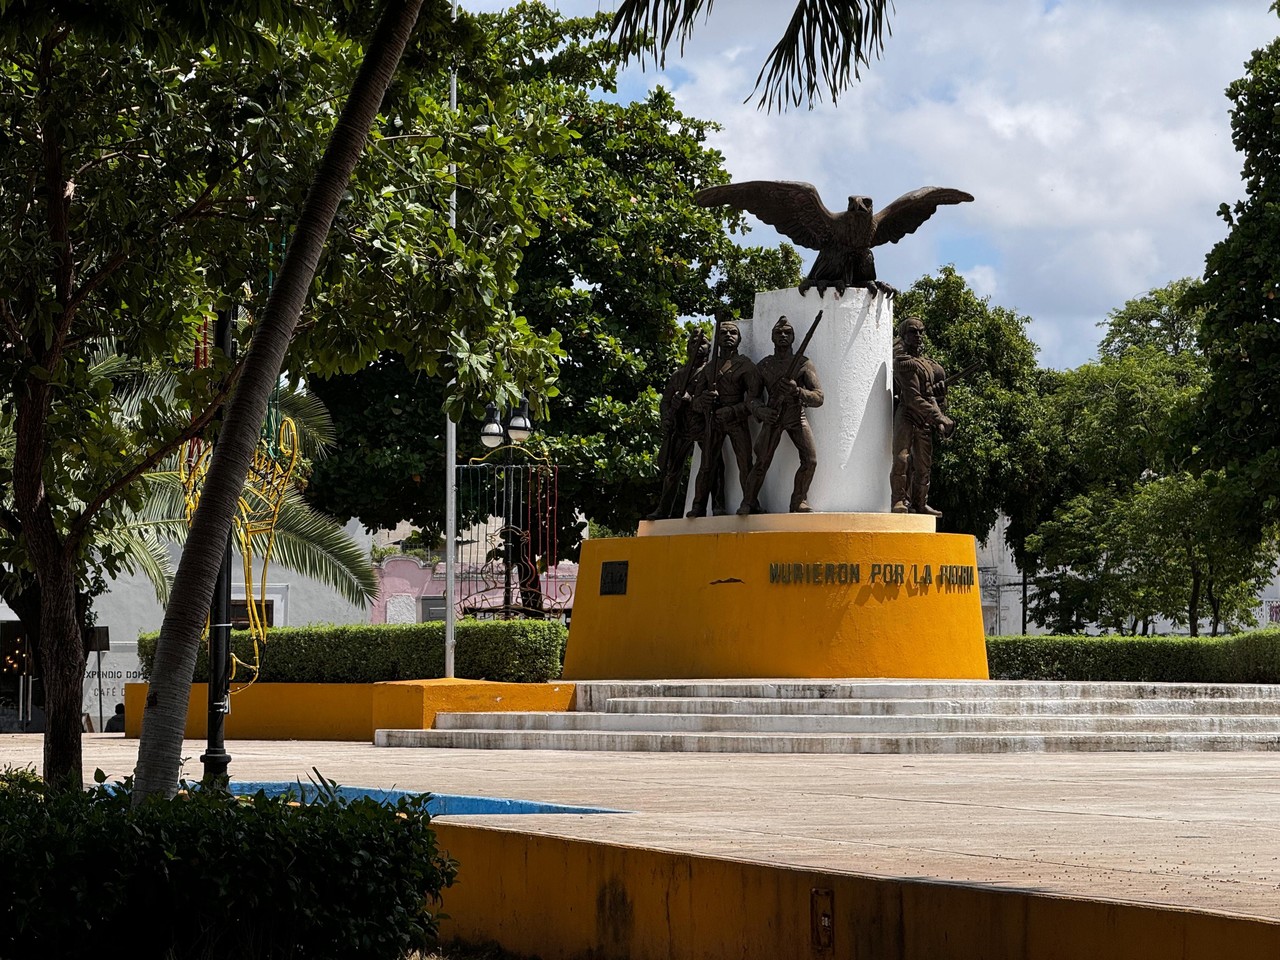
566	899
350	711
788	603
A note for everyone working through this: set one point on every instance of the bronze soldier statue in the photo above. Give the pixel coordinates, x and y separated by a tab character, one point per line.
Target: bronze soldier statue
793	387
681	427
918	381
727	387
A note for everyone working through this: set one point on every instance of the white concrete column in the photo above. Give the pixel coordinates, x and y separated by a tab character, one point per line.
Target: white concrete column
853	353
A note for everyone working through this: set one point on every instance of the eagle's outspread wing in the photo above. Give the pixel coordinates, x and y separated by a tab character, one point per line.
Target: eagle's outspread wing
910	210
794	208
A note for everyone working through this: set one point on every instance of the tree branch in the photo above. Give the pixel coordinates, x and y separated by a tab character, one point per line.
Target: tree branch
10	522
95	280
100	276
56	187
11	324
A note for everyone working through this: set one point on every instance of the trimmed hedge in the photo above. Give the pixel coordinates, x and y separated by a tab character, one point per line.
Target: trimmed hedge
513	651
1252	657
211	876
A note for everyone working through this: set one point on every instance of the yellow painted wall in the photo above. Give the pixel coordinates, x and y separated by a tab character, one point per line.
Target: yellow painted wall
710	606
568	899
274	711
350	711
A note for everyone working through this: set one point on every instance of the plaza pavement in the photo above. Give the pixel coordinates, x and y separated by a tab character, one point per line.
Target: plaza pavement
1195	830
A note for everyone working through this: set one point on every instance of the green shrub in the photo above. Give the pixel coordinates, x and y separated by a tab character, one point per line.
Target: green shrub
515	651
1240	658
210	876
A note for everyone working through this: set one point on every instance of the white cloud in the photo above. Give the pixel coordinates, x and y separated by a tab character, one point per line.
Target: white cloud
1093	134
983	279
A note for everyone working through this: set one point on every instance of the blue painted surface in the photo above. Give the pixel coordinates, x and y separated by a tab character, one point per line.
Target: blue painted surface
440	804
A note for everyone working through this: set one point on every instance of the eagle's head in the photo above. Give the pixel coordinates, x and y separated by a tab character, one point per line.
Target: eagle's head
859	204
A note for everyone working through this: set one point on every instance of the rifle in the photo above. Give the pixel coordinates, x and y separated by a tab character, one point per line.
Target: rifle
690	365
678	394
957	377
713	365
775	399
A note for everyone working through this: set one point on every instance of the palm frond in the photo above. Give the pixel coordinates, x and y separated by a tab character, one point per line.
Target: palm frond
825	45
316	432
155	385
165	506
655	23
8	439
143	552
314	545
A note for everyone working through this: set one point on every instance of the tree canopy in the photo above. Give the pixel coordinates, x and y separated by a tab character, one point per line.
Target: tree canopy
1136	533
1240	330
151	172
623	256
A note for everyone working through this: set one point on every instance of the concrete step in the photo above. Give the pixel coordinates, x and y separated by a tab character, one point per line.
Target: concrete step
594	694
659	723
818	743
1152	706
876	716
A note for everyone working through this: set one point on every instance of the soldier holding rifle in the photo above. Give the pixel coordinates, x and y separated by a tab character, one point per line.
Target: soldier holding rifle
793	387
681	427
727	387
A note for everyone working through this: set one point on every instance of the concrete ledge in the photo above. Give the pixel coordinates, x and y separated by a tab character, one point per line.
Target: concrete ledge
413	704
564	899
349	711
792	523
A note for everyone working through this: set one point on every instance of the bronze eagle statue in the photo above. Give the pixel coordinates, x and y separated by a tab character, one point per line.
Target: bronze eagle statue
843	240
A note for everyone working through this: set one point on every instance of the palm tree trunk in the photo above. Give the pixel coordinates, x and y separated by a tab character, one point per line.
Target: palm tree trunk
164	718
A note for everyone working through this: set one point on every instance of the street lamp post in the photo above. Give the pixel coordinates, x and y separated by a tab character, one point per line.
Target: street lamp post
493	434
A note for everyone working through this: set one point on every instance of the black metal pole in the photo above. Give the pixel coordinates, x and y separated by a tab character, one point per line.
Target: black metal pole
507	536
1024	603
215	758
102	722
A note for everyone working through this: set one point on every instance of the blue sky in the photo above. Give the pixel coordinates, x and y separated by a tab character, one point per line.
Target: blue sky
1093	134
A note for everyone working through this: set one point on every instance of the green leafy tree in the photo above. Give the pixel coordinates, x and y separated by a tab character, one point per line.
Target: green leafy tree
150	172
126	210
1167	318
625	257
1241	401
1137	534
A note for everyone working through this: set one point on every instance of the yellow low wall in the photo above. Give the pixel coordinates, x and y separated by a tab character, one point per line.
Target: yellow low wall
778	603
273	711
349	711
413	704
568	899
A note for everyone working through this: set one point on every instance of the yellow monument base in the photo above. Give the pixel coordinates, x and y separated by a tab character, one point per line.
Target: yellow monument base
779	595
